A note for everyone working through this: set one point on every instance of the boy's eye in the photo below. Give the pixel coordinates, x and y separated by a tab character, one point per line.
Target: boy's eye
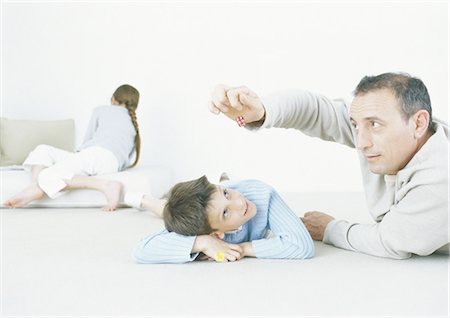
225	213
226	193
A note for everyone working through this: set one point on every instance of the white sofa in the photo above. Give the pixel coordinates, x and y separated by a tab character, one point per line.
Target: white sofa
19	137
156	180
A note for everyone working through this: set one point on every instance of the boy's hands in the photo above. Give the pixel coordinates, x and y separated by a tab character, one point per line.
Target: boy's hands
247	248
217	249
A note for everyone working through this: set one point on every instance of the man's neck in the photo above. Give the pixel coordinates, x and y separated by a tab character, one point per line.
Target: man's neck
424	139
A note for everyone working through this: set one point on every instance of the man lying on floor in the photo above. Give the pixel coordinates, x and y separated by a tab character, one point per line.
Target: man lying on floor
224	222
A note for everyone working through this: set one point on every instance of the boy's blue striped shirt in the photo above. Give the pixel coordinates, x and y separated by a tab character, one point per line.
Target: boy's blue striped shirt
288	239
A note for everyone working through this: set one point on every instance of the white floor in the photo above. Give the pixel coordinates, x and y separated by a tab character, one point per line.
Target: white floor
77	262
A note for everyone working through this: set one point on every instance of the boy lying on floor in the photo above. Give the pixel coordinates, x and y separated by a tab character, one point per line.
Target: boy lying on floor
224	222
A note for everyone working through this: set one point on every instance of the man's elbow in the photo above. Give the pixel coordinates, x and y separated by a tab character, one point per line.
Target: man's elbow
404	250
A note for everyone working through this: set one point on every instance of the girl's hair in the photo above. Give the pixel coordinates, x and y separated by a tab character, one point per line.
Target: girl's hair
128	96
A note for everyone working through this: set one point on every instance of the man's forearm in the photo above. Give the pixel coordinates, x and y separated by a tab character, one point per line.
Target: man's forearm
363	238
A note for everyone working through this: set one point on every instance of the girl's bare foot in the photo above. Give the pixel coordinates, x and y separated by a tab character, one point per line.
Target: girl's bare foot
30	193
112	191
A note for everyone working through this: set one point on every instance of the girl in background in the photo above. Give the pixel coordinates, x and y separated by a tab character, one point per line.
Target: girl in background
111	140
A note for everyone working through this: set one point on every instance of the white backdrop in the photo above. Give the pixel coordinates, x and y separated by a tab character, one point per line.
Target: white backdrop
60	60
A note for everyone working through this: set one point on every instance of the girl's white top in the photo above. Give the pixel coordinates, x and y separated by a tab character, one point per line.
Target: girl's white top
111	127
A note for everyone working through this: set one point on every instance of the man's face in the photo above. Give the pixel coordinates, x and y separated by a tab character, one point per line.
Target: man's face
382	134
229	209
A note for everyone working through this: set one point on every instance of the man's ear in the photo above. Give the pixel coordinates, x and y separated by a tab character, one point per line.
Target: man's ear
421	119
217	234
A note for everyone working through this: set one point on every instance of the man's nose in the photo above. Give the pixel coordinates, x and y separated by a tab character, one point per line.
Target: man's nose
363	140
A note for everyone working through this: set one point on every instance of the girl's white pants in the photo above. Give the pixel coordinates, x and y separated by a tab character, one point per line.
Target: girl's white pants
63	165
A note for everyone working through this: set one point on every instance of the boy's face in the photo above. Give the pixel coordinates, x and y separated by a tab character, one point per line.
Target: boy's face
229	209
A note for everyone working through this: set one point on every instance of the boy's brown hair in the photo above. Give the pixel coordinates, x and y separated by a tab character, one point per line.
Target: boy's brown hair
185	211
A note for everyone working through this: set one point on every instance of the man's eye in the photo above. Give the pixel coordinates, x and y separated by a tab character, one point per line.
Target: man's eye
375	124
355	126
226	193
225	213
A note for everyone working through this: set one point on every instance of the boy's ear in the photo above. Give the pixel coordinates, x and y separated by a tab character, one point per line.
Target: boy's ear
217	234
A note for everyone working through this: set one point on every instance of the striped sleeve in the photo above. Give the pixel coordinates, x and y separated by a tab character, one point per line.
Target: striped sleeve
290	238
165	247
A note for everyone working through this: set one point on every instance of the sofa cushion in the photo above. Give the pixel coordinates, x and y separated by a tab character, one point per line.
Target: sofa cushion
19	137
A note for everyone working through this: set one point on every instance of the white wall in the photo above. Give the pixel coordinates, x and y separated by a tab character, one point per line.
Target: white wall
60	60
